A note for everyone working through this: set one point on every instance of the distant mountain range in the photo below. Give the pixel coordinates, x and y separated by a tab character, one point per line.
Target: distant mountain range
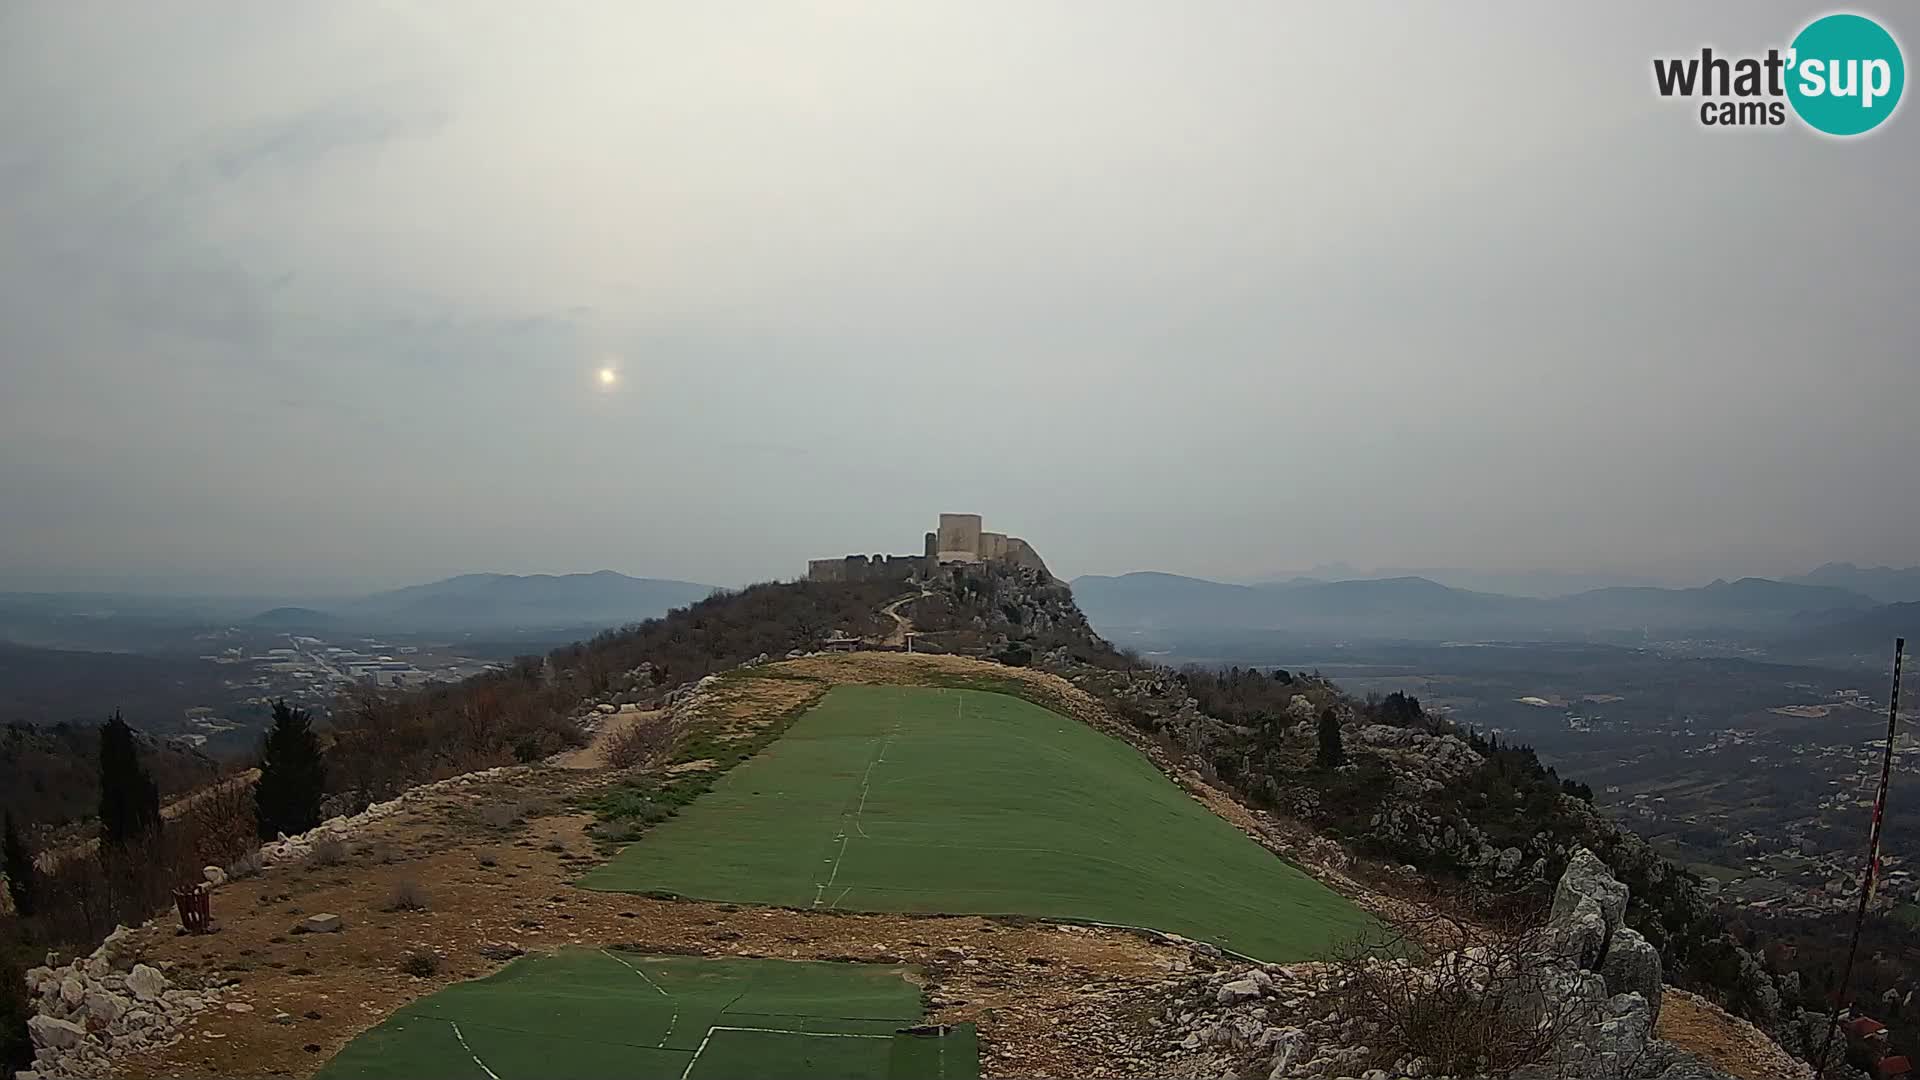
1883	583
1864	635
1536	583
1415	608
500	601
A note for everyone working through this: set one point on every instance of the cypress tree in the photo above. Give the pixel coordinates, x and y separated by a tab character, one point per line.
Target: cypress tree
293	775
20	869
1332	754
129	799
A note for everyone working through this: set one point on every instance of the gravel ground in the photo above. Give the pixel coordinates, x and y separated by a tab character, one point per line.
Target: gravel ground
1048	1001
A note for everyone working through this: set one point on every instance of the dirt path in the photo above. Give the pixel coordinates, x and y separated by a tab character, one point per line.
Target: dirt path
902	626
594	754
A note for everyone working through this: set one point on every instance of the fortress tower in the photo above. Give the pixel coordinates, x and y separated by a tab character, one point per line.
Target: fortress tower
959	539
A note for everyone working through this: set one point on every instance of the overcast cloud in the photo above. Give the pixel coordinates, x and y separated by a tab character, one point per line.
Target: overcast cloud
296	295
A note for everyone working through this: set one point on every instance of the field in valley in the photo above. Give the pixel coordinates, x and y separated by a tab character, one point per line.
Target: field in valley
915	799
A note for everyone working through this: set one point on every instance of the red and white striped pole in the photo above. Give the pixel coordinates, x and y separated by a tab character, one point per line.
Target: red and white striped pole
1871	881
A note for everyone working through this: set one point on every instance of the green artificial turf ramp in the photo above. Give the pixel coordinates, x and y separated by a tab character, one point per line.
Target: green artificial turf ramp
965	802
590	1013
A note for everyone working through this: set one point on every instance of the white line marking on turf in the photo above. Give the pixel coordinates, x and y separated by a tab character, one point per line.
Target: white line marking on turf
820	889
866	785
675	1019
701	1049
688	1071
808	1034
469	1050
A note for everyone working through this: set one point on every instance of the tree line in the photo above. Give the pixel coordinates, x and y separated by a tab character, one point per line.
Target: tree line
286	798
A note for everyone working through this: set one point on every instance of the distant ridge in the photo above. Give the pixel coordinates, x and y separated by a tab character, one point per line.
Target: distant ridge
1864	635
504	601
1416	607
1884	583
294	618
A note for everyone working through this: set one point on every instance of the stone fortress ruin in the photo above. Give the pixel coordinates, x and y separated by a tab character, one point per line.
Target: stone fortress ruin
959	539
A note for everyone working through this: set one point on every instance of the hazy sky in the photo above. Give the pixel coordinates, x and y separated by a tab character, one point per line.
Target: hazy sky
296	295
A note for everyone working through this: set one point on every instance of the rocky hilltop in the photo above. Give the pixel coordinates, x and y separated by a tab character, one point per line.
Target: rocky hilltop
1580	997
1524	935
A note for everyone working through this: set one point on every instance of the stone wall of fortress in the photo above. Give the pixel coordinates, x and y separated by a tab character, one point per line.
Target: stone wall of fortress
959	539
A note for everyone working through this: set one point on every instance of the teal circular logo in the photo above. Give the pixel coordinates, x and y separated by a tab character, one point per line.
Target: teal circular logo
1845	74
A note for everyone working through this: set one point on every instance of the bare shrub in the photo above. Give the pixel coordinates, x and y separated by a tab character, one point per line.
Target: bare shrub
247	865
643	742
328	851
421	963
1485	1007
407	895
220	823
82	897
498	815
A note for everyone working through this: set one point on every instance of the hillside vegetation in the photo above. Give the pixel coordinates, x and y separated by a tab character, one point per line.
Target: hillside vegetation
384	742
1419	809
50	775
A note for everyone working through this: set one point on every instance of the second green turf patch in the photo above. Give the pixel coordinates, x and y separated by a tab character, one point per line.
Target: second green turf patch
965	802
598	1013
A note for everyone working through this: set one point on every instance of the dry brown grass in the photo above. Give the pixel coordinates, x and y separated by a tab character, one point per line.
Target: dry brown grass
1726	1042
644	741
328	851
740	707
499	815
407	895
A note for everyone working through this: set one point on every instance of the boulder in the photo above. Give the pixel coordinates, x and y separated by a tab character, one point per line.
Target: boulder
55	1034
1287	1050
1632	966
105	1007
1509	861
1580	936
215	876
73	991
323	923
1236	991
120	949
146	983
1588	878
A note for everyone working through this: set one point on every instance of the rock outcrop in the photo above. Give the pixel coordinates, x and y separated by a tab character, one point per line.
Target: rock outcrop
1589	981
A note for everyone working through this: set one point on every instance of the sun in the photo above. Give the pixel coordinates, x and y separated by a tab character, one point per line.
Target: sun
608	376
